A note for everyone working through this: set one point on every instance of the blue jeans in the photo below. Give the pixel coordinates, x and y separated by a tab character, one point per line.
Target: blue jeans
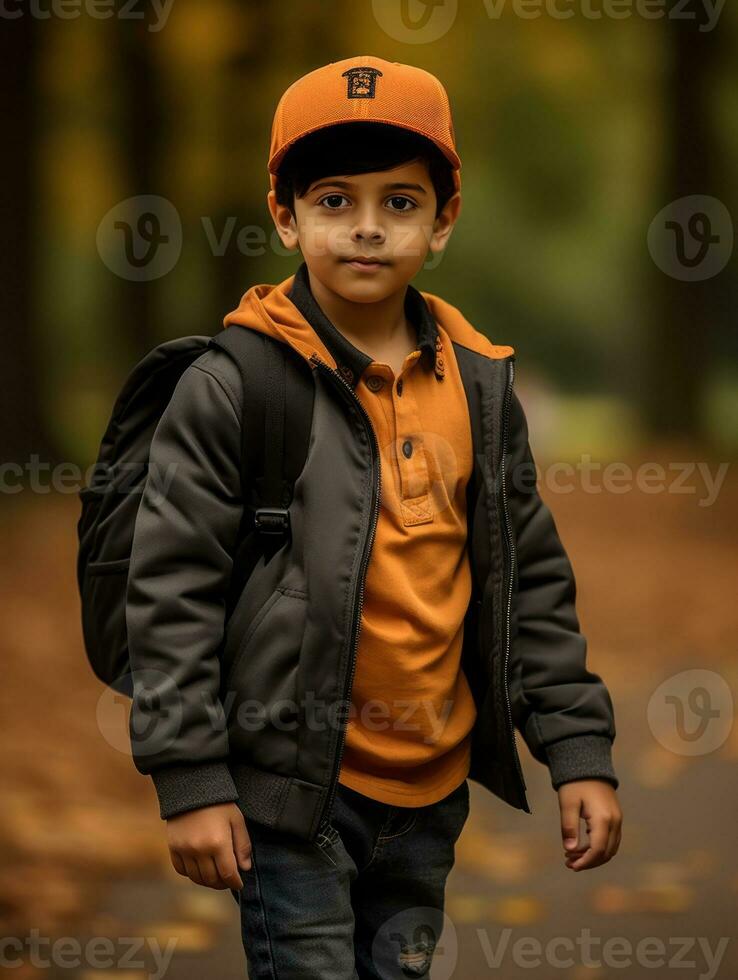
365	900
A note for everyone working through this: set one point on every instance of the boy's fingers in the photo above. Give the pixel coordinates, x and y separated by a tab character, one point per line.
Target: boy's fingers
609	842
193	872
214	871
177	863
595	854
570	824
209	874
241	842
613	842
225	861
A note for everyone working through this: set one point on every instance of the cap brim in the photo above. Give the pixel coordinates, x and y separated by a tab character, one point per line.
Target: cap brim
276	159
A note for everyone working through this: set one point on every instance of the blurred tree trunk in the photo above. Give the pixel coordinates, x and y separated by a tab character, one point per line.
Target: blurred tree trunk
244	122
678	346
141	137
247	118
23	424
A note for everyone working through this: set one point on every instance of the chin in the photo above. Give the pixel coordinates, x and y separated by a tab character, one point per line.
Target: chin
358	291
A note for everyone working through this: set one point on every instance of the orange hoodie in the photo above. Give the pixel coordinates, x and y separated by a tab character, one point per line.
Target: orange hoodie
408	737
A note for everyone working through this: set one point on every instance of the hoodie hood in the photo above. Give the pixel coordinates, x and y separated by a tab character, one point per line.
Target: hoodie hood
268	309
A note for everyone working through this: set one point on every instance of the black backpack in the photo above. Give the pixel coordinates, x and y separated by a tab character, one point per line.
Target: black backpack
274	450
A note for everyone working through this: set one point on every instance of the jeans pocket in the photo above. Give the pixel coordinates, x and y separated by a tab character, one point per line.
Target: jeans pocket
402	823
326	841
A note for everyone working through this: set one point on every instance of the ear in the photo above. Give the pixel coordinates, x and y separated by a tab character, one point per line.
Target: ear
284	221
444	223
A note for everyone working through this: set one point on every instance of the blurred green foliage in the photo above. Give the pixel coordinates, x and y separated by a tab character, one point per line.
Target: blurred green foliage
562	127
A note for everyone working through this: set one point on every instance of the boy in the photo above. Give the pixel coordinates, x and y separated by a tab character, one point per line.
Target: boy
420	609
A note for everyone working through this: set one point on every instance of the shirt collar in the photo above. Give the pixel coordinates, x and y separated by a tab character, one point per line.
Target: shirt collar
351	361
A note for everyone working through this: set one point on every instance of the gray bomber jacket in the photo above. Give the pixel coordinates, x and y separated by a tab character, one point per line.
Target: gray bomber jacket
294	630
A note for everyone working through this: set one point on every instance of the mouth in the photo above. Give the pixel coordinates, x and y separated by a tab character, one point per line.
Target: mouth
365	263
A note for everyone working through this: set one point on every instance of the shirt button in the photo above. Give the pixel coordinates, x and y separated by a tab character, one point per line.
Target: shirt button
346	372
407	448
374	382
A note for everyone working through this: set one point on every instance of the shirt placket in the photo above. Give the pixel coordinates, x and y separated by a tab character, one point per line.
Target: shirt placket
408	446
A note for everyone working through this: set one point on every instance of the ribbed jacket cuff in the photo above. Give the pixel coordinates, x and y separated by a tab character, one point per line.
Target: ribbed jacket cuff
189	787
581	757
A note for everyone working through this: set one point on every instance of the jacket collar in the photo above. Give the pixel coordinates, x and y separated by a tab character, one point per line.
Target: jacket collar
351	361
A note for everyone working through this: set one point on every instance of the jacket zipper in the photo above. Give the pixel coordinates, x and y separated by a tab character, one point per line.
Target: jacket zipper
358	607
365	561
511	554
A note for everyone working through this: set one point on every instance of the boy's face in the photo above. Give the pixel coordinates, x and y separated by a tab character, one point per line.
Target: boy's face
388	216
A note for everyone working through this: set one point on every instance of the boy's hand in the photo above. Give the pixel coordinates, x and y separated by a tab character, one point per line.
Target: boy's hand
595	800
209	845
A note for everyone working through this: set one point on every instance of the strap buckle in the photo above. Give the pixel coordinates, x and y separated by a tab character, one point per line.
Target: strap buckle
272	520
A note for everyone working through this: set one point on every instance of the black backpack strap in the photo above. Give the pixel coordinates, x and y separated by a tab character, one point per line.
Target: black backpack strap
267	485
273	517
277	411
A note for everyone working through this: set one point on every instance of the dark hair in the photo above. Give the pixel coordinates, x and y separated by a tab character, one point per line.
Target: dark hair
359	148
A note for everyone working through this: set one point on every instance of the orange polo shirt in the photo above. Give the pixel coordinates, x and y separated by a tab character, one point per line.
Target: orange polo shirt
408	736
407	741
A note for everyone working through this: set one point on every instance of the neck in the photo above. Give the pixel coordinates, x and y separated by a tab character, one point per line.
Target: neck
365	325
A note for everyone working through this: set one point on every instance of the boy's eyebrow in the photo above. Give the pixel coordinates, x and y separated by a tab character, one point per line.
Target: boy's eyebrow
395	186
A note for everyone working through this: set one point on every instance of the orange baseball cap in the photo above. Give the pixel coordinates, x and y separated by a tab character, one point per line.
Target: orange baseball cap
364	89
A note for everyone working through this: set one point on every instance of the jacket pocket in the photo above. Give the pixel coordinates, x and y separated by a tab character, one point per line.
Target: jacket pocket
109	567
261	692
104	587
256	622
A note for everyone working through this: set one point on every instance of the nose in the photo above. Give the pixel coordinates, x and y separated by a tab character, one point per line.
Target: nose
367	226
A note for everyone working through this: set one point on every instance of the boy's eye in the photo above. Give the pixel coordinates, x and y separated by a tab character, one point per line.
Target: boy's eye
397	203
400	201
332	201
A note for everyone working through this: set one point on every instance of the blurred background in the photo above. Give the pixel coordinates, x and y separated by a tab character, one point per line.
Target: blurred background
599	142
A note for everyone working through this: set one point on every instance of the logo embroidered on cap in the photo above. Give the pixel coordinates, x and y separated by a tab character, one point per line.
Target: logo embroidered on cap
361	82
